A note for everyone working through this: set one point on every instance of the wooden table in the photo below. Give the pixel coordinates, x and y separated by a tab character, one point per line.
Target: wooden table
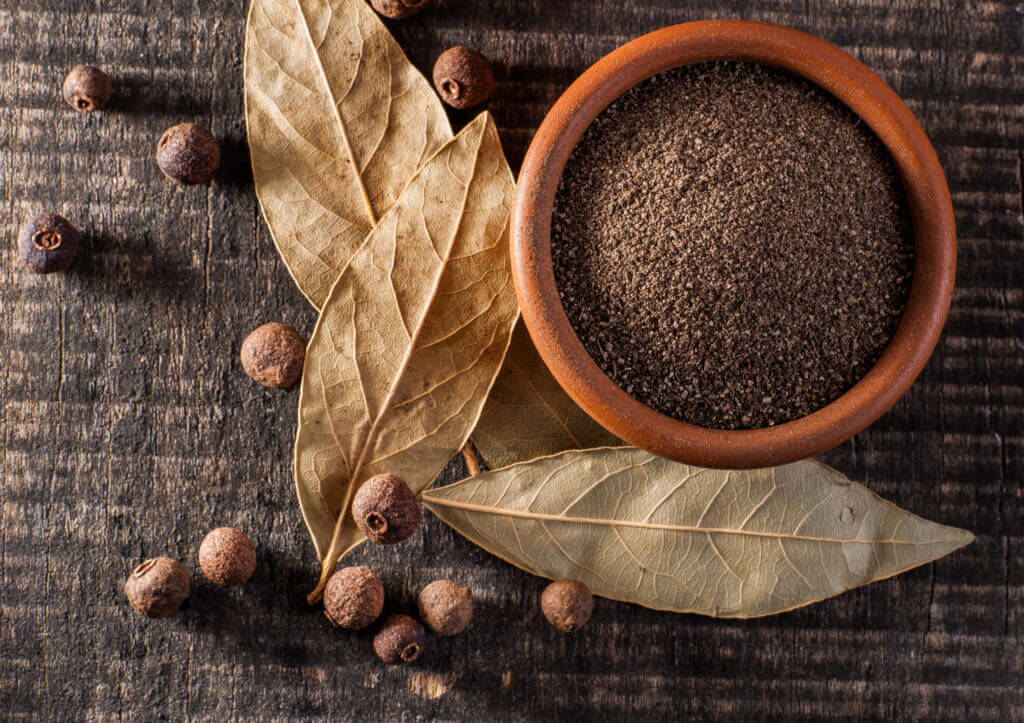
129	429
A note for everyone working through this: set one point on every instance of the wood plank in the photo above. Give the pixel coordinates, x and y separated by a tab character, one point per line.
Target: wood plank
128	428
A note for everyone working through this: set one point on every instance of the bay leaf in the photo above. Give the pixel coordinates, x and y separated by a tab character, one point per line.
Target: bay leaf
738	544
410	339
528	415
338	122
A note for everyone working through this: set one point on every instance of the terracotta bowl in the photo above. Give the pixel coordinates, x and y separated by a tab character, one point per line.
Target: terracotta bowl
852	83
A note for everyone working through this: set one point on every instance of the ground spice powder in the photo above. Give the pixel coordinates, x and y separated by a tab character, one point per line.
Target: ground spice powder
732	245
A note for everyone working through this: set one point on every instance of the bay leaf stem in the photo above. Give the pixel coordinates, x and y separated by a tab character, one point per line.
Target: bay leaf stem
471	461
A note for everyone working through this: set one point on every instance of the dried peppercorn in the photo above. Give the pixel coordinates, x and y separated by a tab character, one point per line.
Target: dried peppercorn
399	9
386	510
157	587
463	77
188	154
87	88
446	607
273	355
567	604
400	640
227	557
47	243
353	598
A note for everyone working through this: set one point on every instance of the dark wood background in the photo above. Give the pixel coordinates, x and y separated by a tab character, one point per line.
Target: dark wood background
129	430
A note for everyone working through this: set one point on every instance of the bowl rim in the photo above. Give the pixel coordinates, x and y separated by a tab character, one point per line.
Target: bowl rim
860	89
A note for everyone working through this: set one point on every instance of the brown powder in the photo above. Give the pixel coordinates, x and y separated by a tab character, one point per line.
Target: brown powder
732	245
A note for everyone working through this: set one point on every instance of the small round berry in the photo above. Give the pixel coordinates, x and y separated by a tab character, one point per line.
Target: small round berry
188	154
47	243
227	557
463	77
446	607
157	587
353	598
400	640
386	510
567	604
399	9
87	88
273	355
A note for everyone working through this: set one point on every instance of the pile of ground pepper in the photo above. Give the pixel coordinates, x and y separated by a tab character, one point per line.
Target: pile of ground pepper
732	245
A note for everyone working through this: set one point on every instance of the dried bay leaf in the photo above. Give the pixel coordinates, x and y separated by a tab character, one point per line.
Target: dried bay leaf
528	415
643	529
410	339
338	122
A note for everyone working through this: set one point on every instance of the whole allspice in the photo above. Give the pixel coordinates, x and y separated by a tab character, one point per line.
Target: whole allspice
188	154
446	607
273	355
47	243
157	587
567	604
227	557
463	77
386	510
400	640
87	88
399	9
353	598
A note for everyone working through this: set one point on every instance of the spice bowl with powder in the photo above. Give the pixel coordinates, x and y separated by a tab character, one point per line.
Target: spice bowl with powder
733	244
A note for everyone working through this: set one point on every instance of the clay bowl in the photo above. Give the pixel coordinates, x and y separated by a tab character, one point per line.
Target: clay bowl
862	91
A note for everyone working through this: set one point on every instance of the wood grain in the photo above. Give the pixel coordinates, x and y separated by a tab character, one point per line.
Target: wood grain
128	428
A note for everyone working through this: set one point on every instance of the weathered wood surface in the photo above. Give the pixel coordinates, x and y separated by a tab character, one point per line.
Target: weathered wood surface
128	428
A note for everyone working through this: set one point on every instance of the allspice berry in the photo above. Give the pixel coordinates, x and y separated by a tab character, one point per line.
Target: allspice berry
399	9
353	598
227	557
400	640
463	77
386	510
87	88
47	243
273	355
157	587
446	607
567	604
188	154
